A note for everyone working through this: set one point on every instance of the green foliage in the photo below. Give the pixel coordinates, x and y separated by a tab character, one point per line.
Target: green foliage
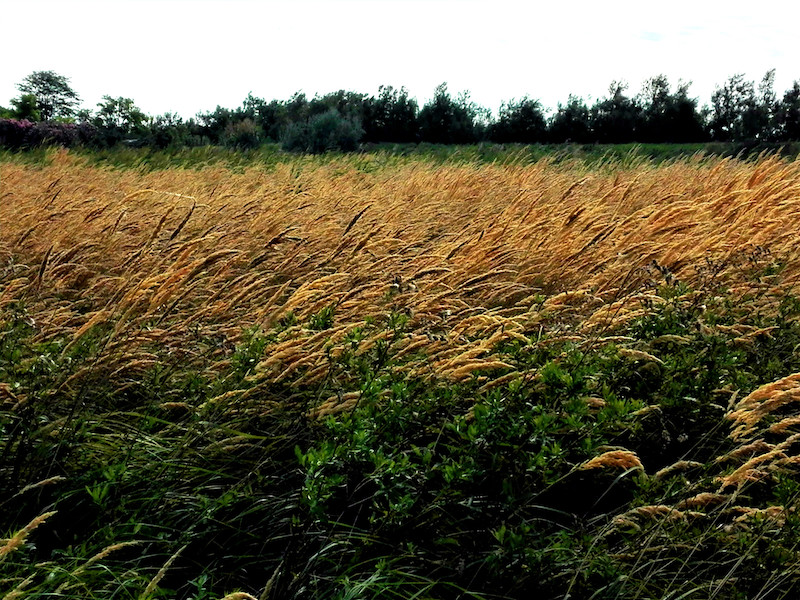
614	119
119	119
788	114
323	319
170	131
669	116
25	107
329	131
390	117
55	98
521	121
570	123
740	111
241	135
448	120
751	116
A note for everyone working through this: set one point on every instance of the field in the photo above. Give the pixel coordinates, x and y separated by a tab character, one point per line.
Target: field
386	376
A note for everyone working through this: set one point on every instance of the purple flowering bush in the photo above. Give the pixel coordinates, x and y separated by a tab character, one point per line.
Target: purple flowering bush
14	132
22	134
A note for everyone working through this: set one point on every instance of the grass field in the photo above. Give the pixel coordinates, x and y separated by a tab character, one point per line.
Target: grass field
388	376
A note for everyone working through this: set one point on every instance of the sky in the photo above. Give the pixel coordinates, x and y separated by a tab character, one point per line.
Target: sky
189	56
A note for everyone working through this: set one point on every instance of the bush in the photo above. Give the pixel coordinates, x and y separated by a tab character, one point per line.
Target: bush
242	135
322	133
13	132
18	134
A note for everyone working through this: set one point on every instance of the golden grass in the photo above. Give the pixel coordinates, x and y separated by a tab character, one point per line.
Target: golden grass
474	255
462	249
613	459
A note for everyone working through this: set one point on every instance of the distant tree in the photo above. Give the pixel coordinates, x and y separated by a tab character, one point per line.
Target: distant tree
766	108
83	115
571	122
728	105
615	119
519	121
445	120
347	104
25	107
667	116
788	114
119	117
54	96
168	131
251	106
272	118
391	116
740	113
322	133
241	135
297	109
212	125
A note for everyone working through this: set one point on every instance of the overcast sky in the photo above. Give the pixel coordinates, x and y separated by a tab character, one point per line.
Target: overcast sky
188	56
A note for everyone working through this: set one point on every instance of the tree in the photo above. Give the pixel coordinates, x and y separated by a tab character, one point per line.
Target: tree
25	108
297	109
120	114
322	133
614	120
666	116
391	116
212	125
270	117
519	121
570	123
788	114
728	104
54	96
168	130
242	135
739	113
766	108
447	121
347	104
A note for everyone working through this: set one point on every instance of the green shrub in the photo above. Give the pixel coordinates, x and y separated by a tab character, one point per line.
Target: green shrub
242	135
322	133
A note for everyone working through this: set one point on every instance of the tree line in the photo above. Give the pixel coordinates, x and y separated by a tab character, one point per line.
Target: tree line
47	111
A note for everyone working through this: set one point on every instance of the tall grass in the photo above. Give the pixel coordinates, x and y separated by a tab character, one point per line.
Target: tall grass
372	376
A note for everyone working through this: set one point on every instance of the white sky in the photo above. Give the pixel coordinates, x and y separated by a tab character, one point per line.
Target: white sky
192	55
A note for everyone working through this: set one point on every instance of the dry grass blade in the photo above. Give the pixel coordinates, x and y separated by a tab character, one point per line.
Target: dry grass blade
355	219
18	539
151	587
614	459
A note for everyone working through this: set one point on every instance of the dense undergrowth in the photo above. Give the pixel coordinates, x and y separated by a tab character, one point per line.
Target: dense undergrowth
233	397
420	488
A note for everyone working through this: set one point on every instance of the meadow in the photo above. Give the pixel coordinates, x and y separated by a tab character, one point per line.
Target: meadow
389	376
